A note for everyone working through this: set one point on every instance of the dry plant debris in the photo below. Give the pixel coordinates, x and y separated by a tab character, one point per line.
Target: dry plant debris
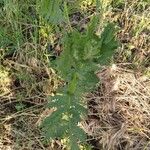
119	111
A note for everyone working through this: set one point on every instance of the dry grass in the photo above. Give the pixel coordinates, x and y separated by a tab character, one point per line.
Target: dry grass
118	119
25	82
133	19
119	111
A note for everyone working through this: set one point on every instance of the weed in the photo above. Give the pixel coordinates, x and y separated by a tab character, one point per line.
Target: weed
77	65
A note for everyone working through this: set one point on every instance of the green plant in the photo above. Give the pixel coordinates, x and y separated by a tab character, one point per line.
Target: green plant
51	11
77	64
20	106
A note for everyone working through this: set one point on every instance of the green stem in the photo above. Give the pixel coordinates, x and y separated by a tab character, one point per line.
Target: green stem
73	84
67	16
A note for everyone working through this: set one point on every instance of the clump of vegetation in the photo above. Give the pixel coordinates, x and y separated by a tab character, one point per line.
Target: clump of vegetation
77	65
